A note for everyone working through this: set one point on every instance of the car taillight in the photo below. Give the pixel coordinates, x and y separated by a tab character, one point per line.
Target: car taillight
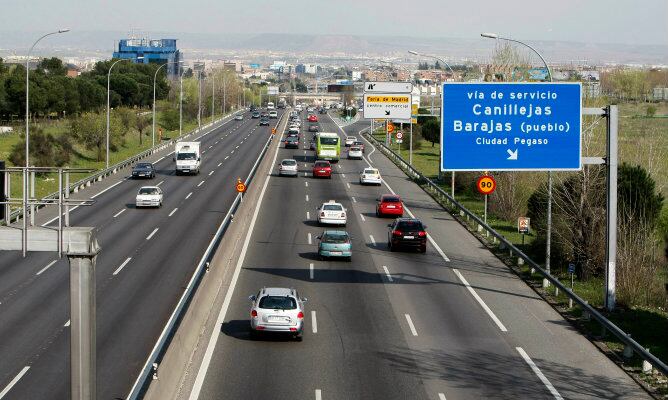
396	233
422	233
253	313
343	215
322	213
300	315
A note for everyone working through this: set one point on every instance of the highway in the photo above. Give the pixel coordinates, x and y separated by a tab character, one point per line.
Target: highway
147	257
454	323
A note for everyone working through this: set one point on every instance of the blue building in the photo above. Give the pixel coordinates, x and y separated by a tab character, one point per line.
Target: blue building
153	50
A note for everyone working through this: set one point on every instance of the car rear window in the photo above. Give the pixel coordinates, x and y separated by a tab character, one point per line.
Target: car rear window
332	207
391	199
289	162
355	149
370	171
410	226
335	238
278	302
321	164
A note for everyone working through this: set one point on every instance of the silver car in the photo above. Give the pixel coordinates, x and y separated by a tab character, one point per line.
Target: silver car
277	310
288	167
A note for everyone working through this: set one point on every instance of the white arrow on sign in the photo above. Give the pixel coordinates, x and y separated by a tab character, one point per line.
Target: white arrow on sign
512	155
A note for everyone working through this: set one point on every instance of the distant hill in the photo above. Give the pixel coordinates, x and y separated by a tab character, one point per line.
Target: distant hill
453	48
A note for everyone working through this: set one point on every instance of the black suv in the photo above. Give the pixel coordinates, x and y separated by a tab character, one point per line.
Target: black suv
143	170
407	232
256	114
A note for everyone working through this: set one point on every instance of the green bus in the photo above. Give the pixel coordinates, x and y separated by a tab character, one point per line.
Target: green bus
327	146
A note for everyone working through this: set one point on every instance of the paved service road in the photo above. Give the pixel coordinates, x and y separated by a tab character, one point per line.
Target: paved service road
452	323
147	257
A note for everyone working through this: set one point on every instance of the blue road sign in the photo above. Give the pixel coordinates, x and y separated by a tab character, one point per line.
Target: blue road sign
511	126
571	268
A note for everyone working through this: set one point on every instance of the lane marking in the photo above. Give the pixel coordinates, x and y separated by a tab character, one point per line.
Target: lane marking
441	396
362	216
314	322
173	211
17	378
152	233
338	165
107	189
56	217
189	194
318	394
309	238
305	173
127	260
226	157
311	270
237	147
373	241
343	175
410	325
213	339
200	184
353	198
348	184
387	274
306	184
480	301
160	183
68	323
159	159
47	267
306	197
308	215
119	213
231	151
220	163
210	173
539	373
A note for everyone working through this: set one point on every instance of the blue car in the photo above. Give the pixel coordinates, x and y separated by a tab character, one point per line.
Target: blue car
335	244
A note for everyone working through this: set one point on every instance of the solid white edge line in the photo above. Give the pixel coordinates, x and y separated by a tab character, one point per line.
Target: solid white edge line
208	354
441	396
373	241
68	323
151	234
47	267
309	238
387	274
475	295
410	325
119	213
127	260
314	322
539	373
160	183
189	194
14	381
318	394
107	189
306	184
362	216
56	217
311	271
173	211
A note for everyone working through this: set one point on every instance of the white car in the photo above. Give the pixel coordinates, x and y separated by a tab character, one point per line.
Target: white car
350	140
273	114
370	176
279	310
149	196
288	167
293	129
332	213
239	117
355	153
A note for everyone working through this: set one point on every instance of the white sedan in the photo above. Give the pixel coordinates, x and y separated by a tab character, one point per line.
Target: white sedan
149	196
350	140
370	176
332	213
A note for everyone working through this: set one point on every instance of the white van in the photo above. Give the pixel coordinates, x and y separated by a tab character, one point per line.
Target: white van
188	157
271	106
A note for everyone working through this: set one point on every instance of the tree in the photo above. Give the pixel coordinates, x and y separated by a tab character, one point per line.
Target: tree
90	130
437	65
141	123
52	66
431	131
637	197
45	150
169	119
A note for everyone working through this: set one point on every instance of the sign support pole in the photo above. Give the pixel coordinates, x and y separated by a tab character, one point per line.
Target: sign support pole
410	146
611	209
486	208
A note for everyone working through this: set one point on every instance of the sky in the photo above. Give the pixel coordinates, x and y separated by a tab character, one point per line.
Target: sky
593	21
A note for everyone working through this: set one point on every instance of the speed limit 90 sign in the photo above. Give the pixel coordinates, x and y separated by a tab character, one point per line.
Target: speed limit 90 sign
486	185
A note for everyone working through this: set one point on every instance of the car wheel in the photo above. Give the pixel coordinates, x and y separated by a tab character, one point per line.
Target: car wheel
423	249
389	246
299	337
377	213
349	258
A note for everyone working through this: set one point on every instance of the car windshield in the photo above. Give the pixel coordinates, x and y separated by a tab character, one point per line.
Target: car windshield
143	166
321	164
391	199
278	302
409	226
352	138
186	156
371	171
332	207
289	162
148	190
332	237
329	141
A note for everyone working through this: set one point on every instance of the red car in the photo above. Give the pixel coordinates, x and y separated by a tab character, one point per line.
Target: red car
322	169
312	118
389	204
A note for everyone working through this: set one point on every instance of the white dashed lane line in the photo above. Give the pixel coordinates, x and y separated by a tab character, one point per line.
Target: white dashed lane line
200	184
211	173
173	211
387	274
362	216
188	196
151	234
348	184
220	163
119	213
311	271
373	241
127	260
410	325
308	216
23	372
353	199
314	322
47	267
226	157
539	373
309	238
306	197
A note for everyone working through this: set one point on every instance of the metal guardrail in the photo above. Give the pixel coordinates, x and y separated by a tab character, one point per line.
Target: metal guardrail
98	176
140	385
513	250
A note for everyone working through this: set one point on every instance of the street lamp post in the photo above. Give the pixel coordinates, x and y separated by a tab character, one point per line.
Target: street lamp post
548	230
155	76
181	103
108	101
